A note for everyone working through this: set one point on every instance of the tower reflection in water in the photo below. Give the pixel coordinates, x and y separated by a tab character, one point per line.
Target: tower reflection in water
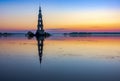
40	43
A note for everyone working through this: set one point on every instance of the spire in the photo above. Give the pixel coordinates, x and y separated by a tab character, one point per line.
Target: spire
39	9
40	21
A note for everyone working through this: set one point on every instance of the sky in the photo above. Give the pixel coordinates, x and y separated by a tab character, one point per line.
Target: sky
60	15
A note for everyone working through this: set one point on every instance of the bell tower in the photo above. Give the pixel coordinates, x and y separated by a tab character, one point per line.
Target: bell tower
40	29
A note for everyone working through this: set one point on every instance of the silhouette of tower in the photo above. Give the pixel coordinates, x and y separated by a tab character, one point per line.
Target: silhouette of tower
40	29
40	41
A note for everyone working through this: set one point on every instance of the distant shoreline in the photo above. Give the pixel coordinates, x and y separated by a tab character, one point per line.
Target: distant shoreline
67	33
70	34
6	34
93	33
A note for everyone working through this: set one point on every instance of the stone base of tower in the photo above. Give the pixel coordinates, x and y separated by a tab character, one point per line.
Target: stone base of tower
41	33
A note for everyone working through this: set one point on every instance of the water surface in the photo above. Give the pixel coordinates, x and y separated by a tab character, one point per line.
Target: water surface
60	58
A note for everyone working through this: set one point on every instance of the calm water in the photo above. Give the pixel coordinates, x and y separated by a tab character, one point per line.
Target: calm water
60	58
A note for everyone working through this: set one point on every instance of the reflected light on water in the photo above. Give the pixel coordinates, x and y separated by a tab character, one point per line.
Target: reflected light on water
57	58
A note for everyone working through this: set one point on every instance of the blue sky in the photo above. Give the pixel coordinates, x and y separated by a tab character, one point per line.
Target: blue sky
66	3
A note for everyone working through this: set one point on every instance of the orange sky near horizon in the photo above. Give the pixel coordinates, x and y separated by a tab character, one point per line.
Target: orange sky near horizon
82	20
